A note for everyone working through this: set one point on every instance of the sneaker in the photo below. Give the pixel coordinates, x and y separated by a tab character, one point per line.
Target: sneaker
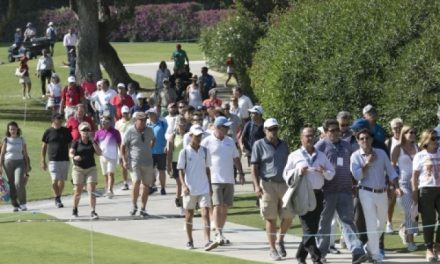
412	246
162	191
389	229
125	187
225	240
219	240
94	215
300	261
274	255
23	207
24	97
402	235
359	258
333	250
430	257
133	211
190	245
75	212
109	194
281	249
16	209
153	189
43	96
143	213
59	204
211	245
181	211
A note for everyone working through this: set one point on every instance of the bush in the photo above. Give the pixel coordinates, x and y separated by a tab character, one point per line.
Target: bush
237	34
328	56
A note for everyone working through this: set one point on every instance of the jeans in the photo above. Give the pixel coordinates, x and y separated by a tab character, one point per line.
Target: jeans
342	203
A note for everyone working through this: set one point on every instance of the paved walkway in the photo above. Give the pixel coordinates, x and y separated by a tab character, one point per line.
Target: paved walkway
165	227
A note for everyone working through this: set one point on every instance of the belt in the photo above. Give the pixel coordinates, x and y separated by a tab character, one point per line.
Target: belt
382	190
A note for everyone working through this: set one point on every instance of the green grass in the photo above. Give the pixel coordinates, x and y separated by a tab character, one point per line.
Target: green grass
245	212
12	106
55	242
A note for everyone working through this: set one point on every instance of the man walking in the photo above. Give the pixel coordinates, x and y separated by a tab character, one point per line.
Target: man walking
338	193
56	144
137	158
224	155
269	157
314	165
193	164
368	166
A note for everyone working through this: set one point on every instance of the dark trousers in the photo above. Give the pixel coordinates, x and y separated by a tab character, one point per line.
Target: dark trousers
429	205
45	76
310	225
359	221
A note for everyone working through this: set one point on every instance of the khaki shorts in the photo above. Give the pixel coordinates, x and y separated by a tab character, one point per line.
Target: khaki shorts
107	165
145	174
271	202
190	201
223	194
82	176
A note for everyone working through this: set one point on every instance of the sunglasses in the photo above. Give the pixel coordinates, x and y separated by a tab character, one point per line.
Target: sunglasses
343	125
396	128
85	130
364	138
271	129
333	130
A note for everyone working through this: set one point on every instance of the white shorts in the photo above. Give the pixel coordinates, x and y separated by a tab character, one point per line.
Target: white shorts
190	201
107	165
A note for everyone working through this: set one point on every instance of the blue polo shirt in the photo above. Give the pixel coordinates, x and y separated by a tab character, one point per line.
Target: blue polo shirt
159	130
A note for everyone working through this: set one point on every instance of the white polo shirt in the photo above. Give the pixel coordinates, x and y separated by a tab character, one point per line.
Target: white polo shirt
222	154
194	163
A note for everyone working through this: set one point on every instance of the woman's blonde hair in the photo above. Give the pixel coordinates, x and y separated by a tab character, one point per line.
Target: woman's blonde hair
402	138
426	137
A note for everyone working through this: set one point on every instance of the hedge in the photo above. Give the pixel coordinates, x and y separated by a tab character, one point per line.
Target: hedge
327	56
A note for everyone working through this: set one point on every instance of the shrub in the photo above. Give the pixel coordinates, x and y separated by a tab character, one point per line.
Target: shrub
328	56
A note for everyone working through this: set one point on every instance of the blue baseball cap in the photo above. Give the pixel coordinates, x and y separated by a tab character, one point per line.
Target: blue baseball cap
222	121
359	124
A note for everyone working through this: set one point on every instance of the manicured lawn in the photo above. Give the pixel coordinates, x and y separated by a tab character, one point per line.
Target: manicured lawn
42	242
246	213
34	119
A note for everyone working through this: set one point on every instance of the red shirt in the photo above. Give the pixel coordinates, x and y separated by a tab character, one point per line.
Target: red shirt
72	124
72	95
88	87
119	101
215	102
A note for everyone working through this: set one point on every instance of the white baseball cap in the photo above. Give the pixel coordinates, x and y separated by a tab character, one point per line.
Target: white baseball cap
196	130
71	79
121	85
125	109
270	122
256	109
141	96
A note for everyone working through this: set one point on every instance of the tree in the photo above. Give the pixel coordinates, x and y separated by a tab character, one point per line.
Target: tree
107	55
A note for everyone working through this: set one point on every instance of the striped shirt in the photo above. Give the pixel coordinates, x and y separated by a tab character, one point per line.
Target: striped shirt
339	156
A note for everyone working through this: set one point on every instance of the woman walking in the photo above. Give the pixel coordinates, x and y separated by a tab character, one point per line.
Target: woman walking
402	159
84	168
426	189
14	161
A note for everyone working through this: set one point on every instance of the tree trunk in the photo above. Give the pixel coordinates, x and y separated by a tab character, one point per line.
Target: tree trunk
12	9
88	52
108	57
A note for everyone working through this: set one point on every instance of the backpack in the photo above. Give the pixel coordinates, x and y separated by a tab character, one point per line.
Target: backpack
52	34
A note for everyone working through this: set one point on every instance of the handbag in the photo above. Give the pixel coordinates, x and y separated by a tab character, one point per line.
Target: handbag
18	73
4	190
